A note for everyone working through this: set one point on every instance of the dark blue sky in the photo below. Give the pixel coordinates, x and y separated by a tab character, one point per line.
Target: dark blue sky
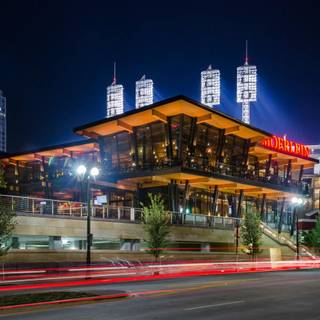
56	58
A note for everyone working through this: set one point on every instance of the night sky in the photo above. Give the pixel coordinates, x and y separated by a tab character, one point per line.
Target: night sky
56	59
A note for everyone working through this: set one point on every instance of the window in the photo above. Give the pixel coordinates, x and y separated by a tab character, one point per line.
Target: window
151	145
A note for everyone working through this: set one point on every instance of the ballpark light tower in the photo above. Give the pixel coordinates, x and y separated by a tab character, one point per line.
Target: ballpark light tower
246	87
114	97
144	92
210	87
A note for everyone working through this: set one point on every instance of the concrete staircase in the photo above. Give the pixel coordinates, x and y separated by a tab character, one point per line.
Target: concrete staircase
285	240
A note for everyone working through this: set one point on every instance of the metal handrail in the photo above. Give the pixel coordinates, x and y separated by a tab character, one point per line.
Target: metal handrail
35	198
50	207
55	207
282	239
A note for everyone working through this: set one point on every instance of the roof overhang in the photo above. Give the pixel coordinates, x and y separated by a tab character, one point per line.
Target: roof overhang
162	110
201	182
53	151
282	157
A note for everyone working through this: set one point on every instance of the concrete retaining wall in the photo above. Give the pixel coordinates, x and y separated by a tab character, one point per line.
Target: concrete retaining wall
66	227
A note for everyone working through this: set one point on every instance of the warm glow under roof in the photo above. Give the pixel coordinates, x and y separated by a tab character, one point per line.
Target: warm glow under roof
56	151
201	182
171	107
183	105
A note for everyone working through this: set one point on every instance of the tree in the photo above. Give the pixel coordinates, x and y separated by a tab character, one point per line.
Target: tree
7	223
7	219
251	233
312	238
3	184
156	225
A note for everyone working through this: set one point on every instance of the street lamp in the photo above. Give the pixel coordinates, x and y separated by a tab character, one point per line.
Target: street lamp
296	202
81	170
86	176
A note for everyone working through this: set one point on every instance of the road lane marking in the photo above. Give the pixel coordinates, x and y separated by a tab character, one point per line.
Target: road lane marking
215	305
179	290
216	283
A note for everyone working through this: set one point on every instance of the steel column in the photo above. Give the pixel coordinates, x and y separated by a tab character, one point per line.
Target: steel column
220	146
268	166
240	204
288	174
262	212
301	173
186	195
281	215
215	199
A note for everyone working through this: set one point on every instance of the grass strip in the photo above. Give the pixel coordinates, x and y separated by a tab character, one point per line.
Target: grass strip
42	297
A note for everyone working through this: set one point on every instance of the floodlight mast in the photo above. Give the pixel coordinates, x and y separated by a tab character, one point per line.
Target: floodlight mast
114	97
144	92
246	86
246	112
246	59
210	87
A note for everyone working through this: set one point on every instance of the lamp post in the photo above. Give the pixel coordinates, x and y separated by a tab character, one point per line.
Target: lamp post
86	176
297	237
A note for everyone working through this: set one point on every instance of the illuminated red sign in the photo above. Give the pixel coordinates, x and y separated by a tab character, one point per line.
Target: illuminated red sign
282	144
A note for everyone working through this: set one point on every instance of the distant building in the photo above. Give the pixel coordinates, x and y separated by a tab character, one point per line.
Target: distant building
3	123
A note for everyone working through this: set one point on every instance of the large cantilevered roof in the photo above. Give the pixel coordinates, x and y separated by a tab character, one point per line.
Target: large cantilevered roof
184	105
167	108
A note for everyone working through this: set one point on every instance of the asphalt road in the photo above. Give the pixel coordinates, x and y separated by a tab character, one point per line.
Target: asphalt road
277	295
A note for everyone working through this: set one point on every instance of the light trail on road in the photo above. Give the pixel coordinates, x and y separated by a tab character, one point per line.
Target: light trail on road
151	272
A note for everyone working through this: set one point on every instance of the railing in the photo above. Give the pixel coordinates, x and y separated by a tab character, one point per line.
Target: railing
241	171
62	208
203	220
284	240
199	164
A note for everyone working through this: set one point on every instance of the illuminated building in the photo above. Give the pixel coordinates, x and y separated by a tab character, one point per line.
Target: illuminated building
3	123
144	92
202	162
246	87
210	87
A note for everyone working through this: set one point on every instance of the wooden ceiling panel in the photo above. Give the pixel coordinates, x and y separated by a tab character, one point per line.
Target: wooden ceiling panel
169	109
205	183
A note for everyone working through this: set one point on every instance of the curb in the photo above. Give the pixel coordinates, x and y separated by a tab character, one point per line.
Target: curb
85	299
